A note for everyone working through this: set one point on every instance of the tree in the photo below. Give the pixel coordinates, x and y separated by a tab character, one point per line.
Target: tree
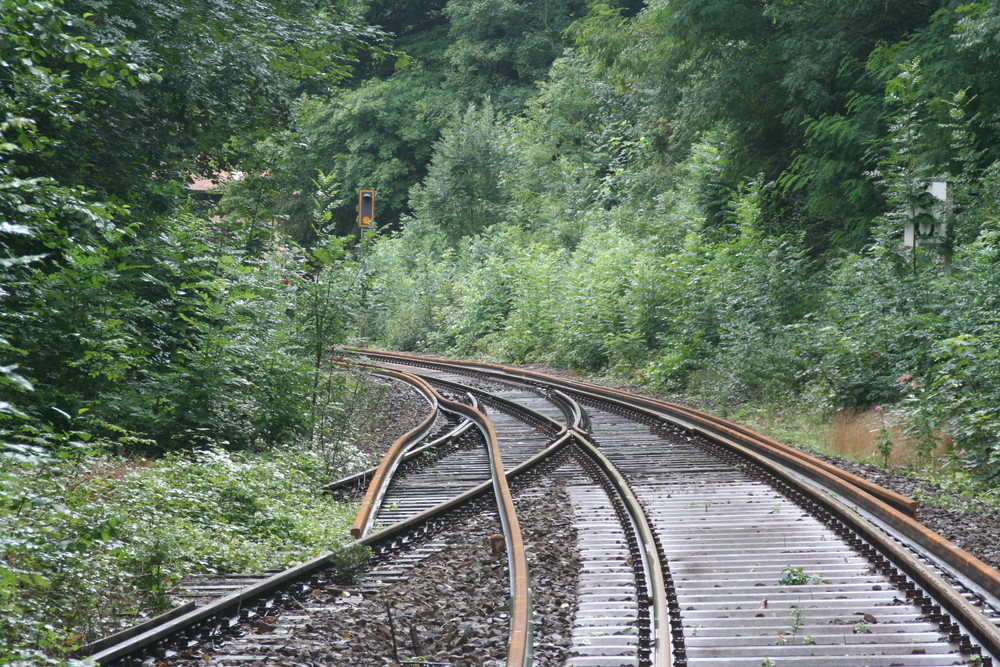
198	77
500	48
378	136
789	83
464	191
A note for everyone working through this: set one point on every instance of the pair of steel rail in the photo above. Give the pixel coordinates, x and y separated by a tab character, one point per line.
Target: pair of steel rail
217	617
519	653
520	639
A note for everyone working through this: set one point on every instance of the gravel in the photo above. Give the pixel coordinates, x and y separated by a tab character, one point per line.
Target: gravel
384	411
451	610
391	420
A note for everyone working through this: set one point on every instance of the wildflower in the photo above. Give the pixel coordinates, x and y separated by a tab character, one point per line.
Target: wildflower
913	385
961	452
878	409
904	378
937	260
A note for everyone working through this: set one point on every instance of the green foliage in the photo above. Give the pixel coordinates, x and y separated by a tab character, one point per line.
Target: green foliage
120	97
803	91
350	561
463	192
164	336
961	390
52	74
377	136
884	444
223	71
500	48
162	324
381	133
797	576
90	543
410	281
705	196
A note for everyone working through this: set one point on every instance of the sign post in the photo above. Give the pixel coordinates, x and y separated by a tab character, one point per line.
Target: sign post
928	220
366	223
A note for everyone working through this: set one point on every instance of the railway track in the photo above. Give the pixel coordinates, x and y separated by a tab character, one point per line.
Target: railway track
696	540
796	575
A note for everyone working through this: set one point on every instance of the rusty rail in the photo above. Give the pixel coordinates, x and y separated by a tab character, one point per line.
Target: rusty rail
383	474
686	417
520	643
520	639
894	510
226	612
359	479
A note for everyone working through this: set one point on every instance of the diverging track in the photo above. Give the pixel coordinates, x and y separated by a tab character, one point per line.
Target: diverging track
771	557
693	540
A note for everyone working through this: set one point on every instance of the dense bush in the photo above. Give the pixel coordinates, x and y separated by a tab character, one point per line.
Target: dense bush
175	339
644	220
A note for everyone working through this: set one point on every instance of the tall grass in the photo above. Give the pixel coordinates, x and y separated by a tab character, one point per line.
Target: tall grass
854	435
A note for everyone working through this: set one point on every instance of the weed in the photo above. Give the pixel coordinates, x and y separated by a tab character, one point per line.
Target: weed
797	576
884	445
350	561
798	619
121	531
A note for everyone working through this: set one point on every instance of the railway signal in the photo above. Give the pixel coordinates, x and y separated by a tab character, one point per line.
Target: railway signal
366	209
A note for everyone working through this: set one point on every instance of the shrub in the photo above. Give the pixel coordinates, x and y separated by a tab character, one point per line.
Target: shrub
90	544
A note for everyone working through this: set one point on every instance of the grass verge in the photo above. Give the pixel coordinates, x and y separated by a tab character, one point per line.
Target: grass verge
93	544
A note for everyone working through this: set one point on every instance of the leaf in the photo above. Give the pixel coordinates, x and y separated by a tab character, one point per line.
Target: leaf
7	408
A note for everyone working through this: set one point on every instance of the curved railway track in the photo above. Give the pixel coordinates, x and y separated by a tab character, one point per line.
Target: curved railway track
699	541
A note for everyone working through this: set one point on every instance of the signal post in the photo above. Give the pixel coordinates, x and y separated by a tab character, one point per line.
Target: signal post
366	223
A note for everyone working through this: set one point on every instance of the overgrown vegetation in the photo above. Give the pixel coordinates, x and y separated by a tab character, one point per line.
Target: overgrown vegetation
96	541
707	197
711	198
148	348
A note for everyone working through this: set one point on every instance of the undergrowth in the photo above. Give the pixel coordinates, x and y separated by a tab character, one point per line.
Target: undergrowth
94	543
